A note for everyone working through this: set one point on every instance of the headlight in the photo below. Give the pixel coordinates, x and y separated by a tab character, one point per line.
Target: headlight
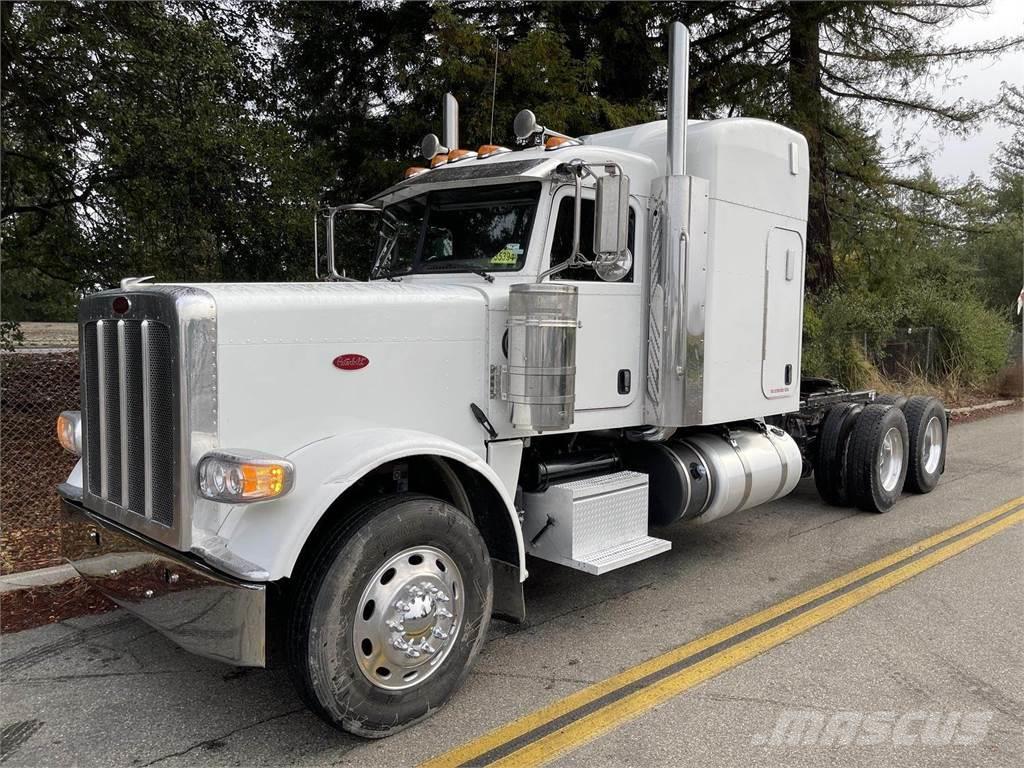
69	431
244	476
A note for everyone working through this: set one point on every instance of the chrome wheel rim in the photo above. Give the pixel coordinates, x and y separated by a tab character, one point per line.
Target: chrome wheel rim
890	459
408	618
931	451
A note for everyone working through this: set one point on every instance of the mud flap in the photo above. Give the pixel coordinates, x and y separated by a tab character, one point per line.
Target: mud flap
509	603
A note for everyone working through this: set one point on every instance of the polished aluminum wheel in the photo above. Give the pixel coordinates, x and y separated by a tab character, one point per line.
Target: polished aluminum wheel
890	459
408	618
931	451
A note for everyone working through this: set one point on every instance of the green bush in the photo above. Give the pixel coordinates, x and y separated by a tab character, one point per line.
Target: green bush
844	328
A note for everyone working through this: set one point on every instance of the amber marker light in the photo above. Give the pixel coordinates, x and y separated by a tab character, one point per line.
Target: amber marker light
244	476
557	142
414	170
488	150
460	154
69	431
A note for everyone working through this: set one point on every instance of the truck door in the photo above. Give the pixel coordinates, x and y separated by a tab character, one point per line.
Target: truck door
610	336
783	313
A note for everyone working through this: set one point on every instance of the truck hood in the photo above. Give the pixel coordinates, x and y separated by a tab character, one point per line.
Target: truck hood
346	312
284	372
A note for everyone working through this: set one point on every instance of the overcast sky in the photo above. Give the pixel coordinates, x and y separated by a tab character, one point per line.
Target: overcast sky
977	80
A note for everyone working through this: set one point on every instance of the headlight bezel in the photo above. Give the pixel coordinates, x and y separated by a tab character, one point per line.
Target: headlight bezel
69	431
246	477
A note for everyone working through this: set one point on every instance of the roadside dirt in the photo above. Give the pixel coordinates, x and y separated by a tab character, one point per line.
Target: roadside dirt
33	607
964	418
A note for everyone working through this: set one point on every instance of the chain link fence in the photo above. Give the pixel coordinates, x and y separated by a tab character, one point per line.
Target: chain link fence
35	386
908	352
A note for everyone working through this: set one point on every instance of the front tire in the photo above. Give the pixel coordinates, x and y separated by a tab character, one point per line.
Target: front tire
389	616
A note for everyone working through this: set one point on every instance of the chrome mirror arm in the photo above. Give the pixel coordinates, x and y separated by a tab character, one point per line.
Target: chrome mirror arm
329	213
578	168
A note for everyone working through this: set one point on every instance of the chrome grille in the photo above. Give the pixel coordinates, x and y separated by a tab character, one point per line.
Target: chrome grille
161	435
91	404
128	398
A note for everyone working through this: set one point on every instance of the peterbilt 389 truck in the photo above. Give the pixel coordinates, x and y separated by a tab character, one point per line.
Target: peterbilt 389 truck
561	349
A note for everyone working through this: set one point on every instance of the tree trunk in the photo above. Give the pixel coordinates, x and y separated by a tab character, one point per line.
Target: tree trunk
807	114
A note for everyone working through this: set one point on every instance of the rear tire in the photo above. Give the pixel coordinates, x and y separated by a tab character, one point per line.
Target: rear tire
898	400
401	572
876	459
926	426
830	461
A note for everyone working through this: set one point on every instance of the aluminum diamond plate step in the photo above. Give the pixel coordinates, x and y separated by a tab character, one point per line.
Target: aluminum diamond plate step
618	555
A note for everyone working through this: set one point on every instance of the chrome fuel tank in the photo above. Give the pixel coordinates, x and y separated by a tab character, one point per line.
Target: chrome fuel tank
706	475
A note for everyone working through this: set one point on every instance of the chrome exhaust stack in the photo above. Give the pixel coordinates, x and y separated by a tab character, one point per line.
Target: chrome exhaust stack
678	288
450	122
678	96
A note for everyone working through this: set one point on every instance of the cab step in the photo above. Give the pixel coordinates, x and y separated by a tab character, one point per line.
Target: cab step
594	524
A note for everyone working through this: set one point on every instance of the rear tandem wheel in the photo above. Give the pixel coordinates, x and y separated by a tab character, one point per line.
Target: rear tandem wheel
876	459
830	459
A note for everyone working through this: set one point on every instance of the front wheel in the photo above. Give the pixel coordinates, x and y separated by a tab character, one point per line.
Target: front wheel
390	615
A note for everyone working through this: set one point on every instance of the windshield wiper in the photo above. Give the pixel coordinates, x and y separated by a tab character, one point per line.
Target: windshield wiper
387	274
475	270
483	273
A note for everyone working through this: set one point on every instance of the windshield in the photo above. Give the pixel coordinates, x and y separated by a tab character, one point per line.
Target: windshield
458	230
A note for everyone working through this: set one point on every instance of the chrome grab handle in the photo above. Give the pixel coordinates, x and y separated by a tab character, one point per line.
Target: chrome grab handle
684	285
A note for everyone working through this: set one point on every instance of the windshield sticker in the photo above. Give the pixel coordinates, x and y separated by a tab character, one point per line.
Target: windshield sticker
508	255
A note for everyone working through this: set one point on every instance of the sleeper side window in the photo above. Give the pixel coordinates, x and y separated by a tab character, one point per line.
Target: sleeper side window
561	244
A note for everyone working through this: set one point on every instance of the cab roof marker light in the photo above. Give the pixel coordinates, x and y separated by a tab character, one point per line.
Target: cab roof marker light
557	142
489	150
460	154
240	477
414	170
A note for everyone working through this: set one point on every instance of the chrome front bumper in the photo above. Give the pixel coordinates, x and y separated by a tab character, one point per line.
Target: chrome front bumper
200	609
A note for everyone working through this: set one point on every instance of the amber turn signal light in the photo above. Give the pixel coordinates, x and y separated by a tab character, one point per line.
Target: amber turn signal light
244	476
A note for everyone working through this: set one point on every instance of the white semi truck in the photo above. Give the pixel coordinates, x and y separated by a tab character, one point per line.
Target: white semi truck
560	350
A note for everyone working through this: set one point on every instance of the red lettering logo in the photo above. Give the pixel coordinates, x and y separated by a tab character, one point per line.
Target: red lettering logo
351	362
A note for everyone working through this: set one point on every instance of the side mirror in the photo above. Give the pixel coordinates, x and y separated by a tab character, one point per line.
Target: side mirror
612	259
611	215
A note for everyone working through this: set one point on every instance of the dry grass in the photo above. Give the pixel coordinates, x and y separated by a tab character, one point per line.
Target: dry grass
952	391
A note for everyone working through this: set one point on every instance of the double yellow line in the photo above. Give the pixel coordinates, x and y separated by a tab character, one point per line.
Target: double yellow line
569	723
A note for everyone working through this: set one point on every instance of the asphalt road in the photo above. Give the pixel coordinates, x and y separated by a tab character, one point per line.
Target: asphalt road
935	658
